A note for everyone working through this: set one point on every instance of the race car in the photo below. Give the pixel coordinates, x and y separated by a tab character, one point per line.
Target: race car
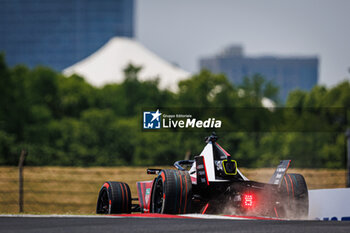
209	184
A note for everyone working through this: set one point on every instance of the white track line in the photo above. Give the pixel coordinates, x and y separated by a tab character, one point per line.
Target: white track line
209	216
194	216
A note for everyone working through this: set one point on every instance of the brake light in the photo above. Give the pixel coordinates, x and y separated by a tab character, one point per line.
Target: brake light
248	200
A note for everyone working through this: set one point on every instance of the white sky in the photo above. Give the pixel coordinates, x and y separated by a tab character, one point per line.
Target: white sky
182	31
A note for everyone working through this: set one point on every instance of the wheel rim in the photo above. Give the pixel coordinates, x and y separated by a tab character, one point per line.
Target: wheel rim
104	202
158	197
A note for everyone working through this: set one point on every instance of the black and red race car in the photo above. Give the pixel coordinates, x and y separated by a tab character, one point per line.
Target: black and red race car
210	184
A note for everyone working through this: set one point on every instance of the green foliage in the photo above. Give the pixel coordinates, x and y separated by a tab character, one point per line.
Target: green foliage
66	121
7	149
256	88
75	96
206	90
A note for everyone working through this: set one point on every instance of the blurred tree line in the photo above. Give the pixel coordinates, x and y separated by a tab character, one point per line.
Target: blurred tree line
67	122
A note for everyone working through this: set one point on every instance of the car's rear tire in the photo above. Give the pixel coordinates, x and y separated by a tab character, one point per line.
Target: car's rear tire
114	198
296	196
172	192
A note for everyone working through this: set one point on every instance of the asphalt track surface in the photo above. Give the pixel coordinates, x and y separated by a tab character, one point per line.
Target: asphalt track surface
105	225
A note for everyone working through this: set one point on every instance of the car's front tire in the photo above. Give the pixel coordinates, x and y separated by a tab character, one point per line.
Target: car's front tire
172	192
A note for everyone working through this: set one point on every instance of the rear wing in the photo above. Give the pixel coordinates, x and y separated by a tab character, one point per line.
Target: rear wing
281	170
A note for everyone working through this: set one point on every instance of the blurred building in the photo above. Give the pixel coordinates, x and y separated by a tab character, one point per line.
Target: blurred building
287	72
60	33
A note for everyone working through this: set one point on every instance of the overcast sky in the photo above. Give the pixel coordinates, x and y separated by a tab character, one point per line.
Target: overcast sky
182	31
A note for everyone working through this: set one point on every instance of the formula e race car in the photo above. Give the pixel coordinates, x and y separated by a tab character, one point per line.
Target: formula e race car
212	185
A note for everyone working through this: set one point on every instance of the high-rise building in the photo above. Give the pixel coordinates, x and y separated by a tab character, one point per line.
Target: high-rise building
59	33
287	72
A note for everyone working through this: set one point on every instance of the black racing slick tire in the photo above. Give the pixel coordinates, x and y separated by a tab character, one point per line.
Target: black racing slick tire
296	196
114	198
172	192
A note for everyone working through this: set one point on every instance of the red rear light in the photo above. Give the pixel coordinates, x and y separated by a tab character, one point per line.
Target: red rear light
248	200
